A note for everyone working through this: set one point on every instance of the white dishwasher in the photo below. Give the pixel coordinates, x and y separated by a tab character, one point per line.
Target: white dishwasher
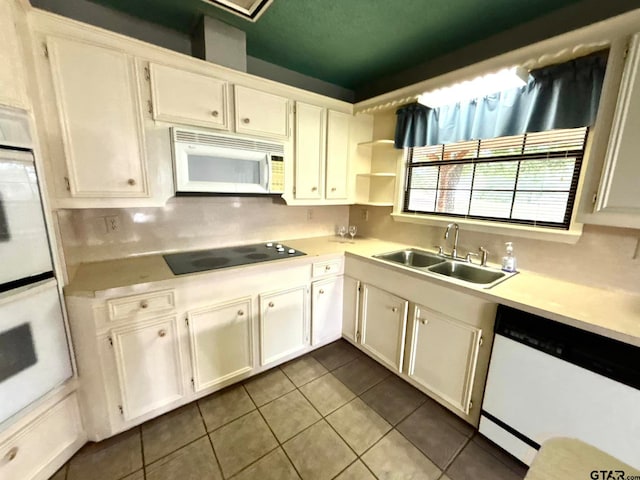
547	379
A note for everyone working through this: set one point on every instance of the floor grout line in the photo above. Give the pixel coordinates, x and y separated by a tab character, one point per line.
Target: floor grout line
144	469
280	444
457	454
215	455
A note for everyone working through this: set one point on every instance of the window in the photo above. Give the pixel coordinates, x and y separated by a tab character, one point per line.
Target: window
525	179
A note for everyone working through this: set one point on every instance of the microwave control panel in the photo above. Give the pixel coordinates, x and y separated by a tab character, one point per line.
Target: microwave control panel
276	181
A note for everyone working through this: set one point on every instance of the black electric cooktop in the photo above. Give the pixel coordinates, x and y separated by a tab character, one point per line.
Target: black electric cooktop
213	259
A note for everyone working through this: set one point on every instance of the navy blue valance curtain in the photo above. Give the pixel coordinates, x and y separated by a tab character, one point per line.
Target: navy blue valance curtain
559	96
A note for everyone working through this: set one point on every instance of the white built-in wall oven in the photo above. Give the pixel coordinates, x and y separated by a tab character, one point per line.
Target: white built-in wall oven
34	353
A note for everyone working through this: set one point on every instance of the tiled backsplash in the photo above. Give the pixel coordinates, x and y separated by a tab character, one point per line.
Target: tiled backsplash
602	257
190	223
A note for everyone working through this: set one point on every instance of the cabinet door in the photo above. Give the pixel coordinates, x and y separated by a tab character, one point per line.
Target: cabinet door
149	366
337	155
220	342
283	323
98	102
310	151
443	356
351	309
384	321
188	98
261	113
619	191
326	310
12	80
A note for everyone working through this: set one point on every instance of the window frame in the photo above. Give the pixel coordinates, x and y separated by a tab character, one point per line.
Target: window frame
402	205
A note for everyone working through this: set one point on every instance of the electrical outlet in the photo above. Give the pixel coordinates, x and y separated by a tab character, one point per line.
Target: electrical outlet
309	214
365	215
112	223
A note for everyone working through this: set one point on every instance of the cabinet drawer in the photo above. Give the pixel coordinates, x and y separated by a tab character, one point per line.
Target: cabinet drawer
125	307
33	448
330	267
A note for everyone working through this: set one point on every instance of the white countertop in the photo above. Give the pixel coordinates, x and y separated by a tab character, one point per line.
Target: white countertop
609	313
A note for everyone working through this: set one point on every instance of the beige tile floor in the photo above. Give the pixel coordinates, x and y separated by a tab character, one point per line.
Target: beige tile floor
333	413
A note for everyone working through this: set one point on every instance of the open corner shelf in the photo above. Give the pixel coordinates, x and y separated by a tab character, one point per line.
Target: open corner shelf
377	174
377	143
376	204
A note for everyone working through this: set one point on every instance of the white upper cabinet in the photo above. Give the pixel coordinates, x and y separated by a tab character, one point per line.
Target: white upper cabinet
189	98
337	155
12	78
321	155
309	151
443	356
619	192
97	99
261	113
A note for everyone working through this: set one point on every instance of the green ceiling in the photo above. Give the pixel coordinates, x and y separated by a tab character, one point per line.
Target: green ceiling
351	42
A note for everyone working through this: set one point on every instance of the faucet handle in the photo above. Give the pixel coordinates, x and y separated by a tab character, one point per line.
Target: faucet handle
484	253
469	255
439	247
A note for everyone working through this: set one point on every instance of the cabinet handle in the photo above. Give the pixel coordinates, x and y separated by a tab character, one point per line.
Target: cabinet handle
240	313
314	189
144	304
394	309
246	121
271	305
321	291
333	189
12	454
162	333
215	113
423	321
131	182
327	268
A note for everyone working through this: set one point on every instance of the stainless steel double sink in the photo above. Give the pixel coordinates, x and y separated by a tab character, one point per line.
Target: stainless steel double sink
454	270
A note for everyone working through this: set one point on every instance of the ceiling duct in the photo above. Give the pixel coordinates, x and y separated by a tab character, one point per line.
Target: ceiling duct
247	9
220	43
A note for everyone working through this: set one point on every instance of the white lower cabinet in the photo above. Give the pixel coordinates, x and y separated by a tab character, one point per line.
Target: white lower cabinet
443	355
221	346
351	308
284	323
436	338
384	322
149	366
326	310
41	447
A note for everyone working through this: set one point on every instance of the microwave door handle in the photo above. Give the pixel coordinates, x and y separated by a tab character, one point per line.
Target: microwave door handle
267	172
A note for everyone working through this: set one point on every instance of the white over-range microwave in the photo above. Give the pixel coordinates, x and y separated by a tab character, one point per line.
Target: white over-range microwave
212	163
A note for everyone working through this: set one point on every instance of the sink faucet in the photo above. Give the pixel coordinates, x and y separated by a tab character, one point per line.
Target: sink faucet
454	252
